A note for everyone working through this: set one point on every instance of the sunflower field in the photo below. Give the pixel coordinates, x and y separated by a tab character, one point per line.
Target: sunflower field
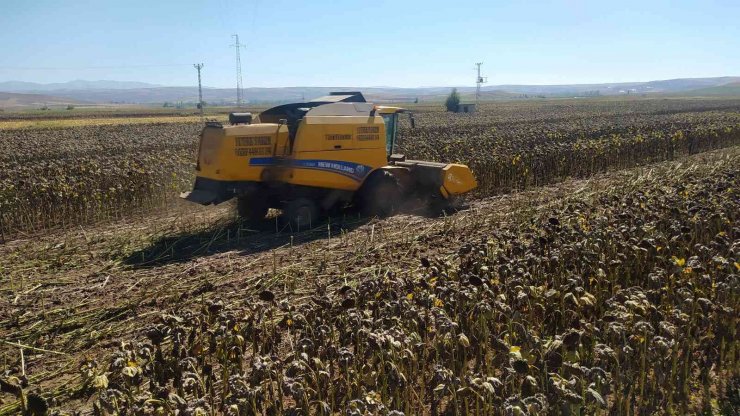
81	174
620	300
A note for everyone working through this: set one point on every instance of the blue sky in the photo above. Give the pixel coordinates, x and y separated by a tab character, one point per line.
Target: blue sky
368	43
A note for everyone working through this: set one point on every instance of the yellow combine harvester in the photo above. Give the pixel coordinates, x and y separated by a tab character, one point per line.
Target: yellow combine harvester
309	158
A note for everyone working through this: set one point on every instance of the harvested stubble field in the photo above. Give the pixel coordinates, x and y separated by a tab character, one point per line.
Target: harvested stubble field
612	294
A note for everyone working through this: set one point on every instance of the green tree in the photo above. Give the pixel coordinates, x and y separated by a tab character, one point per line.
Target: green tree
453	100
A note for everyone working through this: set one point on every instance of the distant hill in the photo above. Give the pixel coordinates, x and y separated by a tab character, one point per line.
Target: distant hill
227	96
651	87
15	100
20	86
104	92
722	90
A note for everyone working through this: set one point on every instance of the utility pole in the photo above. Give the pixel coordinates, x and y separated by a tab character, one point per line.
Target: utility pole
478	81
238	47
200	89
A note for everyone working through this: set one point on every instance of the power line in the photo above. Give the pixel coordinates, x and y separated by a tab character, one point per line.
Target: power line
238	47
200	89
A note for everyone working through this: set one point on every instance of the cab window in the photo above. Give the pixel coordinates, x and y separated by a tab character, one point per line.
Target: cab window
390	132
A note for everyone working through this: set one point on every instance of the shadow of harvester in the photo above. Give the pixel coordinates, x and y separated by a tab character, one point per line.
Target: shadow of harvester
272	232
234	234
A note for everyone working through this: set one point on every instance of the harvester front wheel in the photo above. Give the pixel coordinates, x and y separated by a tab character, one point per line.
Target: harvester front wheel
251	209
302	213
380	195
438	205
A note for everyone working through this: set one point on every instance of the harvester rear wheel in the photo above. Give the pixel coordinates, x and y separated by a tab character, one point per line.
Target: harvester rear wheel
380	195
251	208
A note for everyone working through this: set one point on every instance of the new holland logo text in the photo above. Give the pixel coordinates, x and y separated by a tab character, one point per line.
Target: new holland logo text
355	171
336	166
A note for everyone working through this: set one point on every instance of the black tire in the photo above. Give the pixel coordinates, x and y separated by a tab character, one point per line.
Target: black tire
380	196
251	208
438	206
301	213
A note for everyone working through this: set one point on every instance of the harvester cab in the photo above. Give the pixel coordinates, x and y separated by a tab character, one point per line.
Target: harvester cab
309	158
390	119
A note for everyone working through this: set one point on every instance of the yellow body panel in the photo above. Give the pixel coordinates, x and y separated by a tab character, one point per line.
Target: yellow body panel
340	133
335	152
225	152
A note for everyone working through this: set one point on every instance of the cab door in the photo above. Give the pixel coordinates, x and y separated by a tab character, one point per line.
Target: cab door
391	126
